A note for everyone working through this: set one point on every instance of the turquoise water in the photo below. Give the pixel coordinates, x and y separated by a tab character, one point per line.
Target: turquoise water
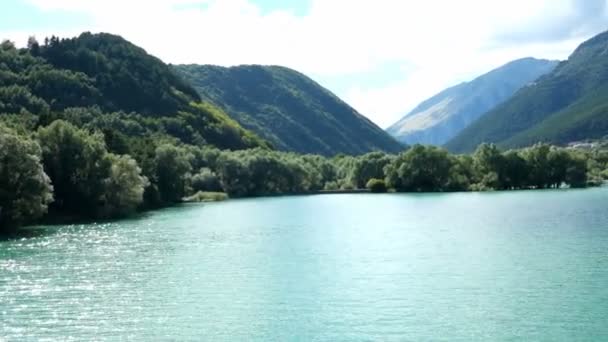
497	266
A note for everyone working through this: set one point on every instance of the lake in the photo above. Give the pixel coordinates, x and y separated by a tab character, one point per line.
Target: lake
522	265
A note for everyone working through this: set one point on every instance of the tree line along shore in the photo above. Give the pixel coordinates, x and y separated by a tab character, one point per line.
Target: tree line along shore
93	127
61	170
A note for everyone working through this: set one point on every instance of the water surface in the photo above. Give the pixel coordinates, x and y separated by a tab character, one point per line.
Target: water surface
529	265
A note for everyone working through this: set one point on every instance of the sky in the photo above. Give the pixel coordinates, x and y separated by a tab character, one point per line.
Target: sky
383	57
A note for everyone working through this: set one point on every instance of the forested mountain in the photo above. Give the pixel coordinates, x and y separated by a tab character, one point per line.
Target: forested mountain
111	75
438	119
127	77
289	109
93	126
568	104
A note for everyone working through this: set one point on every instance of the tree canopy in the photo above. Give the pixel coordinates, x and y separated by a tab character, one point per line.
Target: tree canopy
25	190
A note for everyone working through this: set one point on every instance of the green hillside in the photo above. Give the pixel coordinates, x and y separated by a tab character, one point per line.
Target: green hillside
440	118
107	74
289	109
99	128
566	105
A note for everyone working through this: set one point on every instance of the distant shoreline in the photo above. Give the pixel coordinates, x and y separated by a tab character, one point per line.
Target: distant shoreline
337	192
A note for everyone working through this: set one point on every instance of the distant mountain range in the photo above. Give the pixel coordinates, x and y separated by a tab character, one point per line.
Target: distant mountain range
568	104
440	118
288	109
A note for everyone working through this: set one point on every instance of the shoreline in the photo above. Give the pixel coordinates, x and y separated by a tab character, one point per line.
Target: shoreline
29	230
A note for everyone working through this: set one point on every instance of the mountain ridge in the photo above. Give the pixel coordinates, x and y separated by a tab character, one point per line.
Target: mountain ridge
560	107
439	118
286	107
104	73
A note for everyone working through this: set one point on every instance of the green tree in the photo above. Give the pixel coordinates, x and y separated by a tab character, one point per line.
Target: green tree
7	45
462	173
577	171
124	188
489	163
421	168
234	175
537	159
77	164
172	166
376	185
515	170
205	180
344	166
17	99
25	190
369	166
33	45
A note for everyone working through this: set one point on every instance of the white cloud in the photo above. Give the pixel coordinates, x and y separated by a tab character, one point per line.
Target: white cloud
445	41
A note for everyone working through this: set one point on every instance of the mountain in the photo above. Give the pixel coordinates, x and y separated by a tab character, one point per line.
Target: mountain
106	74
566	105
288	109
438	119
128	78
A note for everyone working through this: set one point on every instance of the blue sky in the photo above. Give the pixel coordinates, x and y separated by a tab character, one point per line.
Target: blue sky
24	15
298	7
381	56
21	15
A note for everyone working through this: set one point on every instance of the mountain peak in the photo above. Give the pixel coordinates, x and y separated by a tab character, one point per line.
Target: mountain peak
600	40
438	119
565	105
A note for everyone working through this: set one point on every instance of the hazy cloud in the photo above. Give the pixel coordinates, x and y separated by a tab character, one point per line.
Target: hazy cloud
559	20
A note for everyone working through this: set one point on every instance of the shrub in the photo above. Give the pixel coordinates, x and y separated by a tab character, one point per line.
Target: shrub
377	186
202	196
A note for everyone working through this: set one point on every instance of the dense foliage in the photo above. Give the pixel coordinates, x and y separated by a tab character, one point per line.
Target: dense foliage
288	109
111	80
92	178
88	180
569	104
126	76
91	116
70	149
25	190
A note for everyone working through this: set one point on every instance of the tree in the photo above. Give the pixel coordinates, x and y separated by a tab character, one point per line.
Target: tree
234	175
205	180
515	170
376	185
421	168
17	99
576	171
319	170
558	161
77	164
536	158
25	190
172	165
7	45
124	188
369	166
33	46
488	163
462	173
